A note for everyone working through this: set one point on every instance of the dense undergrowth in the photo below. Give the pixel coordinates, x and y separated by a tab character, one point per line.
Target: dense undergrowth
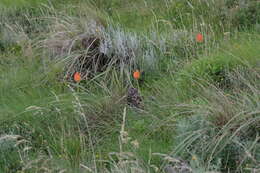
199	109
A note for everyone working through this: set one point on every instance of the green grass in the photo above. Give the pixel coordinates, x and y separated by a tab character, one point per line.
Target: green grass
201	100
29	3
241	52
20	3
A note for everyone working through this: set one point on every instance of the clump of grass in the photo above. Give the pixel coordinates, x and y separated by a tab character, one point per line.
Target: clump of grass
224	127
91	48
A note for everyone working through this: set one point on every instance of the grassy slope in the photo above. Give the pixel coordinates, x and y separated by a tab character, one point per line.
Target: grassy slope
25	84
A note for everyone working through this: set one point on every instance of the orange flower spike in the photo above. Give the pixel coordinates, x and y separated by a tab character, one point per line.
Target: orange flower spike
77	77
137	74
199	38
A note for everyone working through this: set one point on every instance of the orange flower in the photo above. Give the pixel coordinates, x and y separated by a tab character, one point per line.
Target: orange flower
199	38
77	77
136	74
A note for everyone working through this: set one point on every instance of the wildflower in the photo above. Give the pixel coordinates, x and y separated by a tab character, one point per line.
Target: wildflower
77	77
136	74
199	38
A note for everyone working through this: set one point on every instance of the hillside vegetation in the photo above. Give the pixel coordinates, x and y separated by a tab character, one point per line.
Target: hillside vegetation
129	86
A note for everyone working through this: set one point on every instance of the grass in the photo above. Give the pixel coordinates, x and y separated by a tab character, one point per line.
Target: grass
200	100
228	124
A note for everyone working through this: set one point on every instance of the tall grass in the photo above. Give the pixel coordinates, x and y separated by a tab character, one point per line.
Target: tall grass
201	100
225	127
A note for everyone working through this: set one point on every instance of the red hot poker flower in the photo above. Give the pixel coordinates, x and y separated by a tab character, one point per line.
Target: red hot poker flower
77	77
137	74
199	38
